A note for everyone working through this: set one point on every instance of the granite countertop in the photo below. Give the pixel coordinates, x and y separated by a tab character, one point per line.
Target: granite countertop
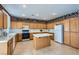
7	38
41	35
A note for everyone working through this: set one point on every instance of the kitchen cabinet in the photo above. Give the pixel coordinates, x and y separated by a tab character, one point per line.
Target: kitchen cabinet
19	37
32	25
5	21
74	24
19	24
75	40
37	25
67	38
66	25
16	39
1	19
25	24
10	47
13	24
50	25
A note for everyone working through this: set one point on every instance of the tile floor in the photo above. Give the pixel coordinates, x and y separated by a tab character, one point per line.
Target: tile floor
26	48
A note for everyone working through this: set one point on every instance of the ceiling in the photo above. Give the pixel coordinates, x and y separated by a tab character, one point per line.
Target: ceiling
40	11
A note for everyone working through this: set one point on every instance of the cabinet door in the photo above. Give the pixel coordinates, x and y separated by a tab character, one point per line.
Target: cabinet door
5	21
67	38
13	24
1	19
19	24
75	40
66	25
50	25
10	47
74	24
19	37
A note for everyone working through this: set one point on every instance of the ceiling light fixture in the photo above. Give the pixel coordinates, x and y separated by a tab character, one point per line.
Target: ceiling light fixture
24	6
37	14
23	15
54	14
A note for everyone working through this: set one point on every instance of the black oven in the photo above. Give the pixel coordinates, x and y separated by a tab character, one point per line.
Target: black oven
25	34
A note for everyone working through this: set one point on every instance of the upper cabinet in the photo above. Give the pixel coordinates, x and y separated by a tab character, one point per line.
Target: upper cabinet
13	24
1	19
66	25
19	24
5	20
50	25
74	24
37	25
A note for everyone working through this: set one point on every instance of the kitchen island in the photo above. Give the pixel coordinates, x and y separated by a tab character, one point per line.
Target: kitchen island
41	40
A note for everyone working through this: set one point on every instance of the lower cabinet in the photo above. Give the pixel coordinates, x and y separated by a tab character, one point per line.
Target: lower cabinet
19	37
75	40
10	47
67	38
71	39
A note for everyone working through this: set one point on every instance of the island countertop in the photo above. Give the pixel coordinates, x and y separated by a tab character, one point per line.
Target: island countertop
42	35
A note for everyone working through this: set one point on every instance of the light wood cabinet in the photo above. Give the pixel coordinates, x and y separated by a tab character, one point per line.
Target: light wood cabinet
66	25
10	47
19	24
67	38
1	19
19	37
5	21
13	24
75	40
41	42
74	24
50	25
37	25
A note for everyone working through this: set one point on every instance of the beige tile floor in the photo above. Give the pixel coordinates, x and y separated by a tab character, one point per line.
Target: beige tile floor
26	48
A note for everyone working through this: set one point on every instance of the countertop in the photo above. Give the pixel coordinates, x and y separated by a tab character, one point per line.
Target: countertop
7	38
42	35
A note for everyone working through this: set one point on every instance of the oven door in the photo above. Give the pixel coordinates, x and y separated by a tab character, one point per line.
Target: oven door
25	35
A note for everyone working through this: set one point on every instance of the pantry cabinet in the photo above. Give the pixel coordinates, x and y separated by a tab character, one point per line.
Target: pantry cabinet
75	40
67	38
66	25
74	24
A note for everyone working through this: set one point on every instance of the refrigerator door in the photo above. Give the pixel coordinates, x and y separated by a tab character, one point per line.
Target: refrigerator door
59	33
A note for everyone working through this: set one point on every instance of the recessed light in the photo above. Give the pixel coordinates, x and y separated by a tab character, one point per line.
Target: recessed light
54	13
37	14
24	6
23	15
44	18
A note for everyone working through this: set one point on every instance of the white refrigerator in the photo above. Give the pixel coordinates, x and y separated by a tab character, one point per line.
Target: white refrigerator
59	33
